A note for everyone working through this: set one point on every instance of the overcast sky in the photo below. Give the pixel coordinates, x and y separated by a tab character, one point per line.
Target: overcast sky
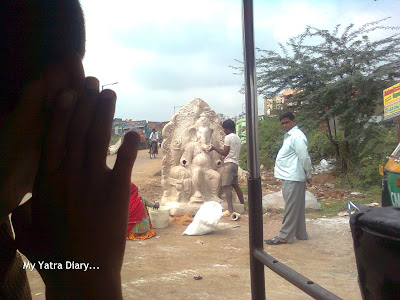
165	53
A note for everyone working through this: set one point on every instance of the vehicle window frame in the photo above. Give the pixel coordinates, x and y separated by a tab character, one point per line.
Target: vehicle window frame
396	153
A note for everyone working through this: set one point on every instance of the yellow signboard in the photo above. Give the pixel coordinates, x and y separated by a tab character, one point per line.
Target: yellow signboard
391	100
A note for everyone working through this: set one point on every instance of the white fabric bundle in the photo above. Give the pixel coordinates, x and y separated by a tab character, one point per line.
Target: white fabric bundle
206	219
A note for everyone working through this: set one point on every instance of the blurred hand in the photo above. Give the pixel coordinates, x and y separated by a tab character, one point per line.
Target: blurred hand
79	208
309	181
156	205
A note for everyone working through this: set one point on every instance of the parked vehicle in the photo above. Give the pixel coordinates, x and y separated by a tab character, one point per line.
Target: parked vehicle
391	180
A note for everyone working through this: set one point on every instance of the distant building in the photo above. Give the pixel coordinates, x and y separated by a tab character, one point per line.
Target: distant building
117	127
139	126
241	129
223	117
159	126
279	102
234	118
144	128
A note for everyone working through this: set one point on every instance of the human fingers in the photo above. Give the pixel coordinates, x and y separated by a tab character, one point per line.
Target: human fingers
55	141
72	65
83	114
61	81
99	137
62	75
126	157
20	143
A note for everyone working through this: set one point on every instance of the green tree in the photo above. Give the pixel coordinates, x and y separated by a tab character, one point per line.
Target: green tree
378	142
339	78
270	140
271	137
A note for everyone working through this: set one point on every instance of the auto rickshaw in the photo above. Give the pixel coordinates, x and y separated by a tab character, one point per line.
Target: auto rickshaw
391	180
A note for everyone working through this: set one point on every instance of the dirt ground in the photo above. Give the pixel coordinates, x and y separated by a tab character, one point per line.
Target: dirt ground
164	267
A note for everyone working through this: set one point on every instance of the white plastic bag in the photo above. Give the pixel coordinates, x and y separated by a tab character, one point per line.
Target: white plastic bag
114	148
206	219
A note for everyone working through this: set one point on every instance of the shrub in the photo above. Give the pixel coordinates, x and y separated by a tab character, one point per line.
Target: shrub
377	142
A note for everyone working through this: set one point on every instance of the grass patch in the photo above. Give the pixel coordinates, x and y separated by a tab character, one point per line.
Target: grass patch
244	189
331	207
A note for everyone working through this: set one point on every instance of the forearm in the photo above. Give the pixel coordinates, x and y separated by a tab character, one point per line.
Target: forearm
300	147
306	170
306	163
92	284
147	202
220	151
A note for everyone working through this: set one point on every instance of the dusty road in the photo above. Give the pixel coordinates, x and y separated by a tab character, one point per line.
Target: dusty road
163	267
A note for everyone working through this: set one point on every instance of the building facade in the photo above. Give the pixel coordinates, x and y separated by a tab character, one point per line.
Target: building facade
144	128
277	103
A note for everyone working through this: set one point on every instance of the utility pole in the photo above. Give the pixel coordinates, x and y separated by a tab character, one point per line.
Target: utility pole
102	87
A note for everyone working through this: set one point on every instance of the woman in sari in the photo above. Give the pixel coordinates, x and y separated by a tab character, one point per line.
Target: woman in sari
139	223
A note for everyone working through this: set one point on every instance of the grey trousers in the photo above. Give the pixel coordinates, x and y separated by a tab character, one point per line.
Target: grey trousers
294	220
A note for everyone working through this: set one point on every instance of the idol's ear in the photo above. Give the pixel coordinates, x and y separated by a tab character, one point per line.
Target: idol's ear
192	132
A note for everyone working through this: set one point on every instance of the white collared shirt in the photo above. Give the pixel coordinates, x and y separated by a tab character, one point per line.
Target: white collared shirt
293	161
153	136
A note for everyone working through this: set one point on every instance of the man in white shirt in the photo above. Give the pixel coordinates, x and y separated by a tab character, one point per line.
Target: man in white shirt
293	167
231	152
154	139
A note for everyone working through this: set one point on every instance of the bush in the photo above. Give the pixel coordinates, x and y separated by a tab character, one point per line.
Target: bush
270	140
374	144
377	142
319	146
243	157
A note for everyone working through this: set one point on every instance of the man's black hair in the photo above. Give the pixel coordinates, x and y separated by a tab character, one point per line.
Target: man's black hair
32	35
229	124
287	115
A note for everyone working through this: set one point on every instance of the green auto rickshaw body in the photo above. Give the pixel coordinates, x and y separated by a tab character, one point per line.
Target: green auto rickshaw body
391	180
